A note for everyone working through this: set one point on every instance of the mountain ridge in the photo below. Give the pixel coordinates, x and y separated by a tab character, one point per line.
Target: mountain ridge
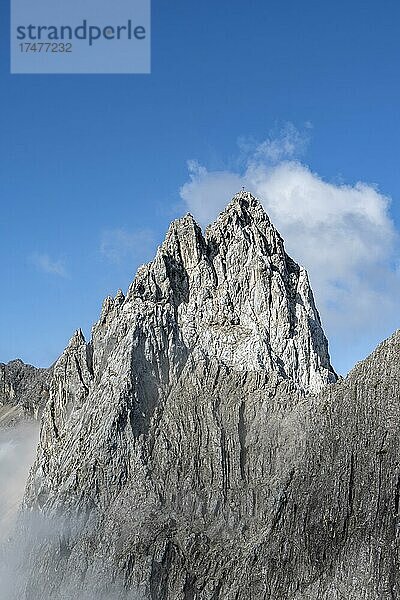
23	389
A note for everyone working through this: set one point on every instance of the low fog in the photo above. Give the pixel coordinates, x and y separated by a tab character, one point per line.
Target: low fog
17	451
24	535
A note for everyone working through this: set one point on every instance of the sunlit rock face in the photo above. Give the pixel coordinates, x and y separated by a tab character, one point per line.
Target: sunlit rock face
199	446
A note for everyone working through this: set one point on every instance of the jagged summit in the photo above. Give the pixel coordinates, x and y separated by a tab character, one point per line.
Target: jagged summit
245	219
232	295
237	296
243	210
247	206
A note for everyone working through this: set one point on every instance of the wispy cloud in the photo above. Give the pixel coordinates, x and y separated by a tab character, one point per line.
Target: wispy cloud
44	263
287	142
120	245
342	234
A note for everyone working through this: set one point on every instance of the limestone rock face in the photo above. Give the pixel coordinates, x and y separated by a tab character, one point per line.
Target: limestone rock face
198	447
232	299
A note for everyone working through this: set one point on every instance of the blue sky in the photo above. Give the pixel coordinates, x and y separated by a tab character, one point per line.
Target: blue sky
91	167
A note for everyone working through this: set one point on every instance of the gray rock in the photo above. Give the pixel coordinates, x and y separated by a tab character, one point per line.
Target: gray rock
194	449
24	391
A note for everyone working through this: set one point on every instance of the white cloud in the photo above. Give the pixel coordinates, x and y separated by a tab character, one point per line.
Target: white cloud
44	263
342	234
119	245
205	195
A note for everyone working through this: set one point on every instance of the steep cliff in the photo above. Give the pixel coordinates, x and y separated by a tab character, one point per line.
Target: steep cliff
194	449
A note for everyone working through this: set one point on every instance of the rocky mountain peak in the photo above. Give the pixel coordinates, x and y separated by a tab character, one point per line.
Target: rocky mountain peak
232	295
190	436
242	216
184	454
236	295
230	299
244	209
